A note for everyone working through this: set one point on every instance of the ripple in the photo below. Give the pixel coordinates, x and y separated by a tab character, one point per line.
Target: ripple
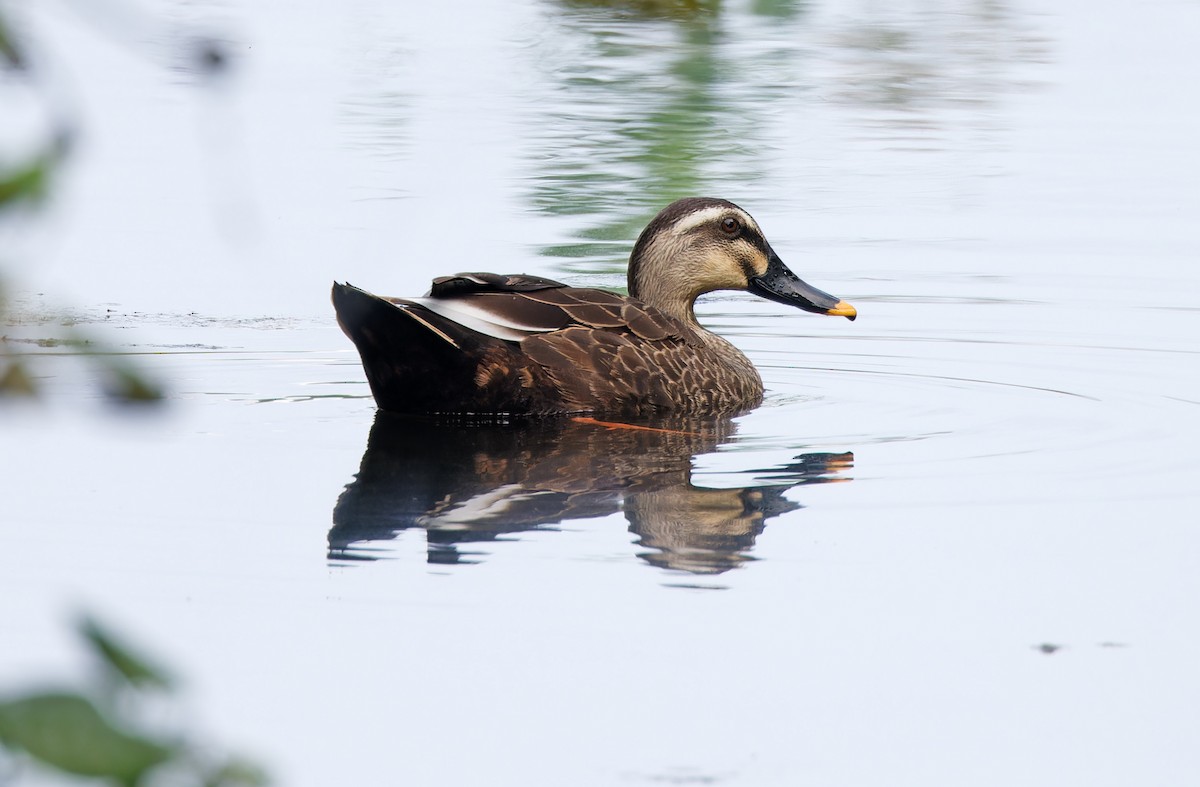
975	417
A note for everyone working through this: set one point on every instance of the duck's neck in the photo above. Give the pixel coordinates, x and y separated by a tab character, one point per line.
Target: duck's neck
665	293
680	305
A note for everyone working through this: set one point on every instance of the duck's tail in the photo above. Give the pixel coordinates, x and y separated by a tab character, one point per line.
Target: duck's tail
416	360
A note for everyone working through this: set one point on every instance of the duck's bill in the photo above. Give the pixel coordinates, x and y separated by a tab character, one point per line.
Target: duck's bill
780	284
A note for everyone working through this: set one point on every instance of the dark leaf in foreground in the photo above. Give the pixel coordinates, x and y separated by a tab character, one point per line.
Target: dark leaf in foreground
10	53
27	181
120	659
15	380
67	732
237	773
126	385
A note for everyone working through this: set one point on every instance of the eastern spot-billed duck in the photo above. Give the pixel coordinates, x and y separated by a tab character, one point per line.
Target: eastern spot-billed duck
484	343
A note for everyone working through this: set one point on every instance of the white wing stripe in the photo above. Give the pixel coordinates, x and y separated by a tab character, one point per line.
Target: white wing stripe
480	319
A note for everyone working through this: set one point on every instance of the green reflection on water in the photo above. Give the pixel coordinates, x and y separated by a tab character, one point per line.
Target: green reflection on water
648	105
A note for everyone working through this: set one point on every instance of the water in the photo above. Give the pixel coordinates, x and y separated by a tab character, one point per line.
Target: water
954	545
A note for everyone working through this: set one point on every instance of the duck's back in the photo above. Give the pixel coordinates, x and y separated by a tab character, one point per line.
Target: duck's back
488	344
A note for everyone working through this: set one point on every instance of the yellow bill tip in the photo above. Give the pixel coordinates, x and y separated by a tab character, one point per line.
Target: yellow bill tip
843	309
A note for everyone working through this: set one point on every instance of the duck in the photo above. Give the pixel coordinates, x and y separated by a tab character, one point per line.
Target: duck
486	344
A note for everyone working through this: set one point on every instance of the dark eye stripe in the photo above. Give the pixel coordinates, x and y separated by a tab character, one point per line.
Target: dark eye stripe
754	239
747	268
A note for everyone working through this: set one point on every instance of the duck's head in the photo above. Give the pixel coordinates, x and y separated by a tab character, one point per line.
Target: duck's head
700	244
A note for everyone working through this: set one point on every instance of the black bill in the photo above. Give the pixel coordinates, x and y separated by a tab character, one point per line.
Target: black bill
780	284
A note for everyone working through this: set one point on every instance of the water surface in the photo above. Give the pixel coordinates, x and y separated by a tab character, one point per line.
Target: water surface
955	545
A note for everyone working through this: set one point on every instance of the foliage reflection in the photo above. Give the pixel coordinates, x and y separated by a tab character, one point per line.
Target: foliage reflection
647	106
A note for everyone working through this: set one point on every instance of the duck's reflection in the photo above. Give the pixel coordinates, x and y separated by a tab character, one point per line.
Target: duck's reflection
465	482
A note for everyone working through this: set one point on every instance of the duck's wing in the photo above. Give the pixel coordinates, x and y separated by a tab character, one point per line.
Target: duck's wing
515	308
605	370
600	350
419	361
628	357
501	343
463	283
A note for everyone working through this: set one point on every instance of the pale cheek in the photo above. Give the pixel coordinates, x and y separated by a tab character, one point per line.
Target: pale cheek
722	277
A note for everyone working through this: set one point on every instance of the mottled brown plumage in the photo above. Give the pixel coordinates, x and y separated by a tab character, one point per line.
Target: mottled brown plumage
487	343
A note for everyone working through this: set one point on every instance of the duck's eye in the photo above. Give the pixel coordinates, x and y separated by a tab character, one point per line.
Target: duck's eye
730	225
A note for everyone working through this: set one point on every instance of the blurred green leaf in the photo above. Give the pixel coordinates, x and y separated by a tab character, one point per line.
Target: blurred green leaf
118	656
66	731
15	380
10	55
237	773
25	182
126	385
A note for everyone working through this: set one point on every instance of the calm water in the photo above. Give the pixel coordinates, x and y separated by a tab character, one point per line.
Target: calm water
956	545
